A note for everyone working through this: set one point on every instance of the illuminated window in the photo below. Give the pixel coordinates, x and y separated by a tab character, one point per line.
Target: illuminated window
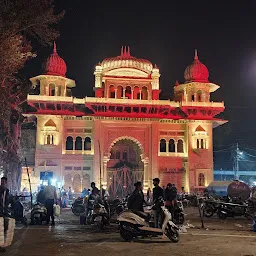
78	143
201	143
69	143
162	145
201	180
180	146
171	145
87	143
48	141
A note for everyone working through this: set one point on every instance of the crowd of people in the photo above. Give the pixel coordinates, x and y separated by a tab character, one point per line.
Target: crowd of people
136	200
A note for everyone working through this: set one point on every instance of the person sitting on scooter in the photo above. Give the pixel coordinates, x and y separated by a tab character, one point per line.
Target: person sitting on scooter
136	199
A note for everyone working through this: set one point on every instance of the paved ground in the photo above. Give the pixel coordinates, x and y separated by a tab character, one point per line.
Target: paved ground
68	238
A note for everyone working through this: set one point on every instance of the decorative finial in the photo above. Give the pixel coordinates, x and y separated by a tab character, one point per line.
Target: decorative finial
125	51
176	83
196	56
54	47
128	53
155	66
122	51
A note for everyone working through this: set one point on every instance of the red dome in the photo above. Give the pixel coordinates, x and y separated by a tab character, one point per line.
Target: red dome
55	65
196	72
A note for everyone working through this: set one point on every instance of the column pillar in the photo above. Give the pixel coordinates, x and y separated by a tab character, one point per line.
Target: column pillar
123	93
82	145
82	183
74	145
105	172
132	94
115	93
140	95
145	176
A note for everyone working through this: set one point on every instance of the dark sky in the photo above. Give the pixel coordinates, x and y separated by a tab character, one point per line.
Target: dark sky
166	33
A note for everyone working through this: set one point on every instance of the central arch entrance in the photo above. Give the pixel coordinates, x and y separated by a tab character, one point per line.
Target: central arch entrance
124	168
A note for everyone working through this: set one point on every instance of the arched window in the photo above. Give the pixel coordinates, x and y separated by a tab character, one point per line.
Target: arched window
192	97
128	92
68	181
119	92
199	96
202	143
51	89
77	183
78	143
48	141
69	143
136	93
201	180
112	91
162	145
171	145
197	143
87	143
180	146
144	93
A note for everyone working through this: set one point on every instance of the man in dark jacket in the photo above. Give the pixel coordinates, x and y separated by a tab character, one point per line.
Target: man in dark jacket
136	200
4	202
157	193
4	197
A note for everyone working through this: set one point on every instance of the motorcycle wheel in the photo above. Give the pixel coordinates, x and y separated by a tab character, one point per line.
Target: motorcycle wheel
208	212
222	215
126	235
173	234
78	210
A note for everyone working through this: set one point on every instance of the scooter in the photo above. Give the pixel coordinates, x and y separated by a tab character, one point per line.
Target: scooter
178	213
134	223
78	207
38	214
18	210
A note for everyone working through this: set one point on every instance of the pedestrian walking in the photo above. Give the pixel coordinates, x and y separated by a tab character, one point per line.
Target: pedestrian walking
158	192
50	200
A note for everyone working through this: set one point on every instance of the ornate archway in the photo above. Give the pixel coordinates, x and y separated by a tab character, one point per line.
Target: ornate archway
124	166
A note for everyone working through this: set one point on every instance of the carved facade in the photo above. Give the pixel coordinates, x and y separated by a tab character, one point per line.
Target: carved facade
125	132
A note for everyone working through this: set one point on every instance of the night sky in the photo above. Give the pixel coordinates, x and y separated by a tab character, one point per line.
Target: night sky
166	33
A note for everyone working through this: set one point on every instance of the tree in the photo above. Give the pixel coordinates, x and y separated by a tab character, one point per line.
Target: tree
22	22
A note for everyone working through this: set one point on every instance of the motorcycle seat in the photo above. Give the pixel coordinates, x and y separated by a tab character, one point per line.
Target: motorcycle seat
144	215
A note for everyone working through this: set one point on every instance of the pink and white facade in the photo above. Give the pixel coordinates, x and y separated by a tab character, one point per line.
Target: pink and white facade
125	133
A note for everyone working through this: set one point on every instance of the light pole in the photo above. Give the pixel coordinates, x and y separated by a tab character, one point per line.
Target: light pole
236	169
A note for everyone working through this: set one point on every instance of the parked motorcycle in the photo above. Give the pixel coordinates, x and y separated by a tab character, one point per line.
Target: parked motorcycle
231	210
17	210
178	214
98	212
134	223
38	214
78	207
211	206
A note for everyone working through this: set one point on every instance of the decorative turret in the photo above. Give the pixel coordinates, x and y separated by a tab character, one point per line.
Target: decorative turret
196	72
54	64
53	81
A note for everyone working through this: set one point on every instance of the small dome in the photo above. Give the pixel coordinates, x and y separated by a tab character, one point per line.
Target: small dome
55	65
196	72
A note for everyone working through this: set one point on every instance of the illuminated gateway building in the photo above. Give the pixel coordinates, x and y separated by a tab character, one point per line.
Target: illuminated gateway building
124	133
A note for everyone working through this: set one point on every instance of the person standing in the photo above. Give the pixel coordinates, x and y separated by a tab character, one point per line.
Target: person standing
170	196
136	199
4	202
50	200
157	193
